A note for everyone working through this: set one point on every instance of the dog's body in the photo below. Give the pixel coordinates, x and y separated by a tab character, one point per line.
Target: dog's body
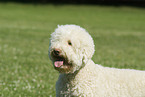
96	81
81	77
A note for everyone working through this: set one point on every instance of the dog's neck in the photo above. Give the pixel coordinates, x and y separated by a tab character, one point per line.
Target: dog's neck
72	76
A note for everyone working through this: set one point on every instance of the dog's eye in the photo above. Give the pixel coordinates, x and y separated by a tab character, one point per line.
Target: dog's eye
69	43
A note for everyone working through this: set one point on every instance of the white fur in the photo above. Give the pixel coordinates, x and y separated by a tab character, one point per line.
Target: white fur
87	79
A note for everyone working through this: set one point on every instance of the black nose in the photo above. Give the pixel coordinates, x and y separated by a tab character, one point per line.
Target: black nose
56	52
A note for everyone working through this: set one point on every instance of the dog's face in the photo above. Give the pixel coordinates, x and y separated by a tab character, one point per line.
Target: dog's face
70	47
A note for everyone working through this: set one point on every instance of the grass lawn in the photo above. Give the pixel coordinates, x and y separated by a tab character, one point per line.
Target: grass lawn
25	69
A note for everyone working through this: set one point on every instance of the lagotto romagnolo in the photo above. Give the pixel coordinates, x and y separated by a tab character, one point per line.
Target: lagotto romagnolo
71	49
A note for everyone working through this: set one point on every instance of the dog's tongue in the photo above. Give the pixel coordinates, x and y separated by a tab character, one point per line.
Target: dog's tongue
58	63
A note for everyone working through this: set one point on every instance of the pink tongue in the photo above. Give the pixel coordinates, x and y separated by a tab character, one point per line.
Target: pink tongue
58	63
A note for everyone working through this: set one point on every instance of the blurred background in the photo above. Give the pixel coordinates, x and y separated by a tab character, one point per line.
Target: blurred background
117	27
103	2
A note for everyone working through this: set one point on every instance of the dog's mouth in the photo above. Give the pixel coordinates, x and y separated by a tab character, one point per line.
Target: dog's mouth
59	61
62	64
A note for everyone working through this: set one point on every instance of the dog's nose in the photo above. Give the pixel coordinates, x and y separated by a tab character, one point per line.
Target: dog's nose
56	52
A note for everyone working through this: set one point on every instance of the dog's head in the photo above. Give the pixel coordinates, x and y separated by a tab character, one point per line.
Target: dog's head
70	48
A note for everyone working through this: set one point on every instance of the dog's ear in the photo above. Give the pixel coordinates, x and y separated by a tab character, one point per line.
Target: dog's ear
87	53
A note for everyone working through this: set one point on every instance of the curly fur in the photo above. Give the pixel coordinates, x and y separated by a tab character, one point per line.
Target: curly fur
80	76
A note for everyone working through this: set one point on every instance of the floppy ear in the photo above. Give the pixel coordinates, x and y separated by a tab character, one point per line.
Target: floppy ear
87	53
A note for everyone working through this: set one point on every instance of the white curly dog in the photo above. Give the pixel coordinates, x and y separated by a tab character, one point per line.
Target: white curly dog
71	49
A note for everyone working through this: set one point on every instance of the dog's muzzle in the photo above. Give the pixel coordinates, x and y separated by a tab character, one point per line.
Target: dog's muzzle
60	61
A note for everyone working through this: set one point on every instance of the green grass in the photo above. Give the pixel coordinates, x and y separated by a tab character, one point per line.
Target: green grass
26	71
